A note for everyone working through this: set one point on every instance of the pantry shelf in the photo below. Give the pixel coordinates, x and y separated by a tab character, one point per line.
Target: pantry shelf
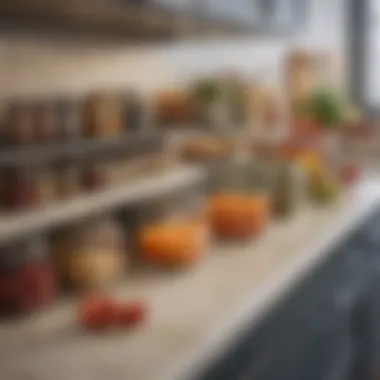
130	193
51	153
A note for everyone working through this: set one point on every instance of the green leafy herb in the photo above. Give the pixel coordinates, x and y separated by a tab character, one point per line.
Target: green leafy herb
327	107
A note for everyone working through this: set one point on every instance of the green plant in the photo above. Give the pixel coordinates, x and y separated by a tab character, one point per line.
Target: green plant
208	90
327	107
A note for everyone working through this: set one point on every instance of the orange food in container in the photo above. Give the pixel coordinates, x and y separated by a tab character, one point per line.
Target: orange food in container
238	216
174	243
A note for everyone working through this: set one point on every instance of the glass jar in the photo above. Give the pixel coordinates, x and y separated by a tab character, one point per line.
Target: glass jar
289	189
103	116
27	281
19	123
68	180
20	188
68	119
133	113
94	176
240	175
90	256
43	123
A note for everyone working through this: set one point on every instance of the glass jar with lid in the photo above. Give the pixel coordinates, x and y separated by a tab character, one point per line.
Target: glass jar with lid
43	122
20	189
27	281
68	119
91	255
19	123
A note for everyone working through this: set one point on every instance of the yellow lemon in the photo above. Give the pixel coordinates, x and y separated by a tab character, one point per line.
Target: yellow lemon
310	162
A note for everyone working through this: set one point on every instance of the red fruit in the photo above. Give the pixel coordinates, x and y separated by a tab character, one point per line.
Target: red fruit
349	174
97	312
132	314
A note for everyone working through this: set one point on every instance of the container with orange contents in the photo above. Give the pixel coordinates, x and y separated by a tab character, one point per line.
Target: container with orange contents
174	243
175	233
234	216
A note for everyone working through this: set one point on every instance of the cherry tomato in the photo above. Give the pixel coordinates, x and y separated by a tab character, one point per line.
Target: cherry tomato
132	314
349	174
97	312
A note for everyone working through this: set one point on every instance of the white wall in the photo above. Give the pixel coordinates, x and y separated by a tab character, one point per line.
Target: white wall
27	67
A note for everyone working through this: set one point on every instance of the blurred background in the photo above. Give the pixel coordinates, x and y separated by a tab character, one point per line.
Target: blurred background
161	161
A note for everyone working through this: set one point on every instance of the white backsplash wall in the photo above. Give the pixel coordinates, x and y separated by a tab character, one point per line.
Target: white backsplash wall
28	67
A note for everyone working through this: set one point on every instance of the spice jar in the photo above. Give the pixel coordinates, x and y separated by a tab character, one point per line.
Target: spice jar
20	189
43	122
26	278
68	180
46	185
68	119
90	256
94	176
19	123
103	116
134	113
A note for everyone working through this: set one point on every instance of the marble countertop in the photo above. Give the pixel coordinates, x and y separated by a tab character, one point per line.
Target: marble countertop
194	314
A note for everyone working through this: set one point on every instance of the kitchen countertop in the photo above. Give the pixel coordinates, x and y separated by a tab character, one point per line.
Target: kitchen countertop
194	314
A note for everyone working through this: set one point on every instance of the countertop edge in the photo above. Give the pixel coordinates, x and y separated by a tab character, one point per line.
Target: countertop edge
252	309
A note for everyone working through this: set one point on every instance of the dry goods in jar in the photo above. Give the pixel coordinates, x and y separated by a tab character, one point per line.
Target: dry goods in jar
91	256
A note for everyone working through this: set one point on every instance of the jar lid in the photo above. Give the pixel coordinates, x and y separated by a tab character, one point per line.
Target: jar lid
12	257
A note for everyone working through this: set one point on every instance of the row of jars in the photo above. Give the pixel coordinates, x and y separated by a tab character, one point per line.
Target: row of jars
27	122
22	188
94	254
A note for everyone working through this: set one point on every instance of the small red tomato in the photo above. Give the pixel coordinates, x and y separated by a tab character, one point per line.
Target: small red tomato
349	174
97	312
132	314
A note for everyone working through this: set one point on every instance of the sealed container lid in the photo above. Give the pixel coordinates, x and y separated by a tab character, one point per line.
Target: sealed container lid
16	255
